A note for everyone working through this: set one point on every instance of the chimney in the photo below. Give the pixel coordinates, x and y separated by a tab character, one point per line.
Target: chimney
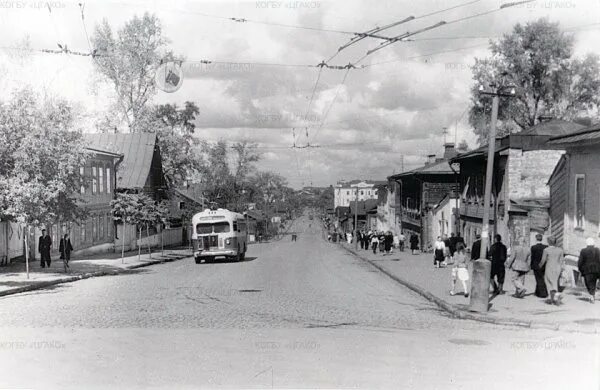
449	150
431	159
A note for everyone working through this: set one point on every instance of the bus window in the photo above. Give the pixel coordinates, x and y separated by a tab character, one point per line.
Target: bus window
221	227
235	226
203	228
207	228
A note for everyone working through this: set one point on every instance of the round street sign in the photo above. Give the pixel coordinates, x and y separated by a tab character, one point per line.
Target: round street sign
169	77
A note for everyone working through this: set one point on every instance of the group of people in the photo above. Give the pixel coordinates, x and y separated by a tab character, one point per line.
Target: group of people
547	263
45	245
384	241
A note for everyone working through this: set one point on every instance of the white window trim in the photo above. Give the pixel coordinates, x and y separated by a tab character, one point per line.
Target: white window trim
583	222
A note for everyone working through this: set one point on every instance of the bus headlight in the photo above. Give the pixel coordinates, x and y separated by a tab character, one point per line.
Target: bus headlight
227	241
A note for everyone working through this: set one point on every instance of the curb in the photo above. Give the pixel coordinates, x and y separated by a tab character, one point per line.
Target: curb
87	275
466	315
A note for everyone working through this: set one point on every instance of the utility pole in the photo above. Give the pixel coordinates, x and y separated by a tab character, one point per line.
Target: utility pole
356	220
482	267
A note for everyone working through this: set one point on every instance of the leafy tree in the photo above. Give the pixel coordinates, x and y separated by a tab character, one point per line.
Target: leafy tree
126	210
129	60
40	160
537	58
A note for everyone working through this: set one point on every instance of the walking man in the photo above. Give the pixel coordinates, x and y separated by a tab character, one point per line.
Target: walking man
476	248
589	266
402	239
65	248
44	245
538	271
498	252
520	263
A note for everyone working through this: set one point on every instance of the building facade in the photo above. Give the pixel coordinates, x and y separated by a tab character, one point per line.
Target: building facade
417	195
348	191
523	164
575	190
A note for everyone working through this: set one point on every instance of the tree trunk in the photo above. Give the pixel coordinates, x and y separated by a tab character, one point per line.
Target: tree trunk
162	240
148	238
139	245
123	244
26	238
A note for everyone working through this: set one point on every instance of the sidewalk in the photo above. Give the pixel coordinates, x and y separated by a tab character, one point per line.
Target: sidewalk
13	279
418	273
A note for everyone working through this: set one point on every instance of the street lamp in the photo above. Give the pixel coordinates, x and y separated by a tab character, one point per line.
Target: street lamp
482	267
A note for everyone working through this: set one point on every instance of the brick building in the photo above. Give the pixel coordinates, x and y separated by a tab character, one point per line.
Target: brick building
523	164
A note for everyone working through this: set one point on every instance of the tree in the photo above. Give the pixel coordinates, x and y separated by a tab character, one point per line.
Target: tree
129	62
125	209
227	185
536	58
175	129
39	161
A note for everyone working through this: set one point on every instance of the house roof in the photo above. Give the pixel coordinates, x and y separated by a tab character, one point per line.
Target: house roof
554	127
437	168
137	150
254	214
350	182
589	134
534	138
103	151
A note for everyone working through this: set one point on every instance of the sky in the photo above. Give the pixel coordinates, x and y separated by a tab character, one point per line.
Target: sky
364	123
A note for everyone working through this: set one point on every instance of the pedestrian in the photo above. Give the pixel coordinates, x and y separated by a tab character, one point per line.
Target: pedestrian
388	242
553	258
520	263
374	243
460	240
439	249
395	241
476	248
538	271
446	250
499	253
452	247
349	237
381	242
460	271
65	248
401	239
414	243
589	267
359	238
367	239
44	245
329	237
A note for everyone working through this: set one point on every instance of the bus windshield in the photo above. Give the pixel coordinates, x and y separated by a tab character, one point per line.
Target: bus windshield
217	227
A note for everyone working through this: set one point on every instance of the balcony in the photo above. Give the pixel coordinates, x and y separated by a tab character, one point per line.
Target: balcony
474	209
410	216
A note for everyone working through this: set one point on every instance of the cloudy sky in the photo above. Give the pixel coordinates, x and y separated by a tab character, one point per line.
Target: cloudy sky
368	122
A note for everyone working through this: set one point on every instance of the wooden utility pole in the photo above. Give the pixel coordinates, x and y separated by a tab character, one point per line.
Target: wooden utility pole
356	220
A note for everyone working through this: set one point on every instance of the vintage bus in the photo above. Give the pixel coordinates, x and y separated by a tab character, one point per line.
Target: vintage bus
219	233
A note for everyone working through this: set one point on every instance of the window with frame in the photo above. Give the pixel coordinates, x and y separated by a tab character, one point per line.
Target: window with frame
100	179
579	201
108	184
82	180
94	179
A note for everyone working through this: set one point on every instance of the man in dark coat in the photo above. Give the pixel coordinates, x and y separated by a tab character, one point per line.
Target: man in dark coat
453	240
499	254
44	245
536	257
65	248
589	266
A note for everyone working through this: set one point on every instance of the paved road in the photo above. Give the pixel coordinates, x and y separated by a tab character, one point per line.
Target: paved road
295	314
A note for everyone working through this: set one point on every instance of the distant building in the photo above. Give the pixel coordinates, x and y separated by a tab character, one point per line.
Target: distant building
424	200
348	191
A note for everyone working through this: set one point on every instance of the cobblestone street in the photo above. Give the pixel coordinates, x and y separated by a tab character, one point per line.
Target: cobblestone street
294	313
